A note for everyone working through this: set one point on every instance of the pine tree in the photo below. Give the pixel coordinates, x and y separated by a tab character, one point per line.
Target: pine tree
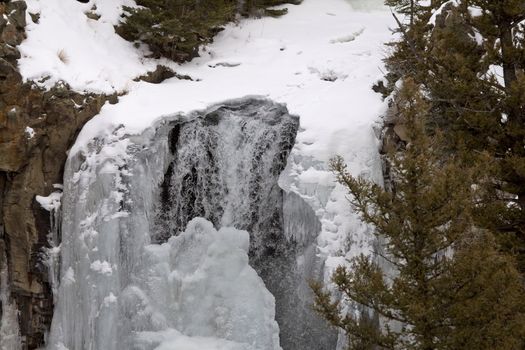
413	9
471	63
452	288
175	29
501	25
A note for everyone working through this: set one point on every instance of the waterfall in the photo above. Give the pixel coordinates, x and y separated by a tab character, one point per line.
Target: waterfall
138	270
225	168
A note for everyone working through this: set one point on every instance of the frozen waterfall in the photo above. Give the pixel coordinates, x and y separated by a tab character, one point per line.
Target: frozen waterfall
181	238
9	329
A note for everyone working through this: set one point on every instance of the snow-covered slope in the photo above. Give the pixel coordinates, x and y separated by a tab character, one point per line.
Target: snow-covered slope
87	54
321	59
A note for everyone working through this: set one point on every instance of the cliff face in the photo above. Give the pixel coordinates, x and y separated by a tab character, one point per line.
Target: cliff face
36	129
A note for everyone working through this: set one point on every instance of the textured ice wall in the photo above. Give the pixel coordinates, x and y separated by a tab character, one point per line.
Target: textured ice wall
108	194
118	291
200	283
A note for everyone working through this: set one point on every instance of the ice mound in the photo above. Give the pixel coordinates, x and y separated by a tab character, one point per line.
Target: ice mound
173	340
199	284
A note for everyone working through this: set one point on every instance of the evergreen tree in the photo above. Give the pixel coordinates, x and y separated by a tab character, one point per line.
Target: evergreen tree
413	9
175	29
470	62
451	288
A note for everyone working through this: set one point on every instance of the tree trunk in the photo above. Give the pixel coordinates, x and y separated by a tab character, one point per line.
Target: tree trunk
507	51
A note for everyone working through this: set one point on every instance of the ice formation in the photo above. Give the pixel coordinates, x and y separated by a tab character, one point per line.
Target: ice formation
225	167
9	330
200	284
119	290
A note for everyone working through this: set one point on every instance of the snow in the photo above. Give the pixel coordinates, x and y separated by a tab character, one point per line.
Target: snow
306	59
69	276
348	38
111	298
51	202
30	132
102	267
87	54
99	60
475	11
290	60
438	11
290	75
496	71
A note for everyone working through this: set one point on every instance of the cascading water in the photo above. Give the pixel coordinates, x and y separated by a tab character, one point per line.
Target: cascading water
226	165
193	284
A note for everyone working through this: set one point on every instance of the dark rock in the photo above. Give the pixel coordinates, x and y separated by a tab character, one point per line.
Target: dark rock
17	13
380	88
6	69
3	120
11	35
3	21
35	17
160	74
31	167
92	15
9	52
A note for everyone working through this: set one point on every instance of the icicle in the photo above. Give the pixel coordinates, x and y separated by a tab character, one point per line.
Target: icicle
52	204
9	328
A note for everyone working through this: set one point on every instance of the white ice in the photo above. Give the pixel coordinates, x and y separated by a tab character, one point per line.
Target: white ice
200	283
9	330
118	291
289	59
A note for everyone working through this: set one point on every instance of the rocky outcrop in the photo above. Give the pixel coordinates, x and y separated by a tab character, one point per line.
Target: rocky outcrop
36	129
393	136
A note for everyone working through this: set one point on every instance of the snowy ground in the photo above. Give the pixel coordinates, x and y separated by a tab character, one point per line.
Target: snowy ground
321	59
